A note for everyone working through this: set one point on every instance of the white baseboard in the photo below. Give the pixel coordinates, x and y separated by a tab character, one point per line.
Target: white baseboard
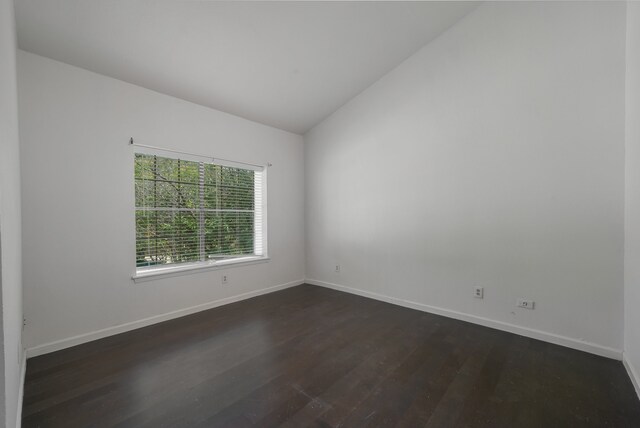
23	371
498	325
110	331
633	374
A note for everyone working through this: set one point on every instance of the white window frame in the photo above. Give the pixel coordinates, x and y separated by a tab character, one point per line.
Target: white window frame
164	271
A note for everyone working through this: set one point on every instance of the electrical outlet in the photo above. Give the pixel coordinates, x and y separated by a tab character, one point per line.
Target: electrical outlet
478	292
527	304
337	269
225	279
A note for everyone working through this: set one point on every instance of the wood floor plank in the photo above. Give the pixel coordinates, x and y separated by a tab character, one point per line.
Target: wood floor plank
309	356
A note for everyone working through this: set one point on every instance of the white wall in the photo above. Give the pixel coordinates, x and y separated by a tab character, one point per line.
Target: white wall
632	206
493	157
10	228
77	175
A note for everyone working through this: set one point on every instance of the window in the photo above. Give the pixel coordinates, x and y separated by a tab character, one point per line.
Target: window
192	213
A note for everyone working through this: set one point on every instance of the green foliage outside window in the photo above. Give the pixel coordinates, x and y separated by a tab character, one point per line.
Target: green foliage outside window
190	211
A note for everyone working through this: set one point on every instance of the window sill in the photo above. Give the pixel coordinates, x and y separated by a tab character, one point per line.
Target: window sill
167	272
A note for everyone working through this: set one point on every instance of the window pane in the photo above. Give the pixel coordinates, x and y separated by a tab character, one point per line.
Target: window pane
145	234
143	166
228	234
163	182
181	204
166	237
228	188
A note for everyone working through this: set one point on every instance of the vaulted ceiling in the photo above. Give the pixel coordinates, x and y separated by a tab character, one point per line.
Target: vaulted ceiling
284	64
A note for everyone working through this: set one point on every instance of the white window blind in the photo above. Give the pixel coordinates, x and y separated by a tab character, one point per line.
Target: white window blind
191	211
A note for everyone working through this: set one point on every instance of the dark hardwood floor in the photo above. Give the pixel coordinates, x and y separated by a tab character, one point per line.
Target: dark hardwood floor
309	356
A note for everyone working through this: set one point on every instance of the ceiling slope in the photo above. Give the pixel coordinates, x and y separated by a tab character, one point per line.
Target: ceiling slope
284	64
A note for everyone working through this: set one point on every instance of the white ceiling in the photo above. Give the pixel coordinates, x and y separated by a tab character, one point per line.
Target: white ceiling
284	64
